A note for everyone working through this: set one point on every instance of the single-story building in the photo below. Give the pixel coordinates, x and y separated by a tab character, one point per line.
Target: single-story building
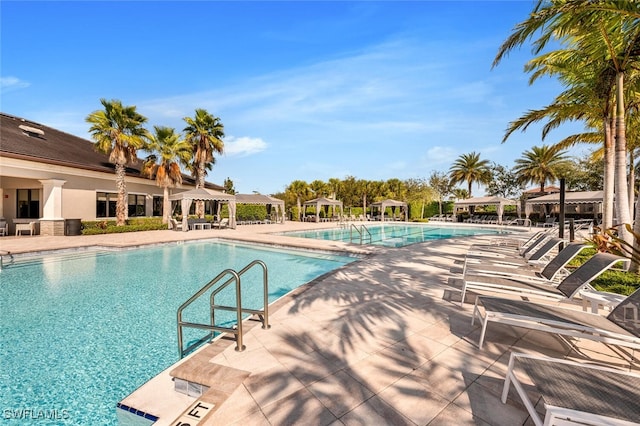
579	202
49	176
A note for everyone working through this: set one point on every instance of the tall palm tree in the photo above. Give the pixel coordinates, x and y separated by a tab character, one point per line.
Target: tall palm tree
334	185
540	165
604	30
470	168
204	132
300	189
319	188
588	97
117	131
168	151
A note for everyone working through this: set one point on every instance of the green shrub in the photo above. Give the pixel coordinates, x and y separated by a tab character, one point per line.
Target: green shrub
132	225
620	282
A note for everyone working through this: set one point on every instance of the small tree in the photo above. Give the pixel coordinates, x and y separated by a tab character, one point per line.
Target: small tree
441	185
228	186
504	183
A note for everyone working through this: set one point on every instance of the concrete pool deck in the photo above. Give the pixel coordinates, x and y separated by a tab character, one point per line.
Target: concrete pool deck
380	341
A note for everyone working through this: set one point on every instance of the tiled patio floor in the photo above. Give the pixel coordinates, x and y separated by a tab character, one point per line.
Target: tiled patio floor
382	341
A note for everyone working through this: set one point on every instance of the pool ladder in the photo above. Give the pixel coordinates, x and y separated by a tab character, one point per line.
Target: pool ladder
361	231
2	255
233	277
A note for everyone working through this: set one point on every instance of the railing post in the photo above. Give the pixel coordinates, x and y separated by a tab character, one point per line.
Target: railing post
239	345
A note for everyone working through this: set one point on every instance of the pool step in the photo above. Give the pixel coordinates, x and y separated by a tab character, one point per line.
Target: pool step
209	382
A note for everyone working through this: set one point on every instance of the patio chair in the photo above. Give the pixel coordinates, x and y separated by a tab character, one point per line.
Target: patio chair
224	223
4	227
537	255
552	270
621	327
568	392
550	222
544	288
175	225
508	246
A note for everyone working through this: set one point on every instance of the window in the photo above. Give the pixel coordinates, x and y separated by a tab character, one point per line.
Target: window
28	204
106	204
137	205
157	206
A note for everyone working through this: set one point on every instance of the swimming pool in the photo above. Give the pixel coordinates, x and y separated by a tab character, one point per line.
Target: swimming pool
82	331
393	235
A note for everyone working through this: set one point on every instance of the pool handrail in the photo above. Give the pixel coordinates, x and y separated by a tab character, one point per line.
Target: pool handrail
363	229
263	314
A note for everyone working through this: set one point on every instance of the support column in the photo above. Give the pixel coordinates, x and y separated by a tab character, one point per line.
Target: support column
52	222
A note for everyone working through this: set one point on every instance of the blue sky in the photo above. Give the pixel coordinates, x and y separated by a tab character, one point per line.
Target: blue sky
306	90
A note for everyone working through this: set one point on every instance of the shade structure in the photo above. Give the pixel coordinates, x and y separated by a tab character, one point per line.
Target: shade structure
264	200
322	201
579	197
382	205
203	194
499	202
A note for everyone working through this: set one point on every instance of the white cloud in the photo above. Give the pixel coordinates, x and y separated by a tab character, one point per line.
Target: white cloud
243	146
440	155
10	83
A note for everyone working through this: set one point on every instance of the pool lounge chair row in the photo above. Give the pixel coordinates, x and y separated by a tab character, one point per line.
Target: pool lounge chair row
195	224
486	219
572	392
443	218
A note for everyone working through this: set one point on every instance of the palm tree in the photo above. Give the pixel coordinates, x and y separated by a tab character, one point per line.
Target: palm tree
470	168
300	189
460	193
204	132
540	165
606	31
117	131
588	97
319	188
169	150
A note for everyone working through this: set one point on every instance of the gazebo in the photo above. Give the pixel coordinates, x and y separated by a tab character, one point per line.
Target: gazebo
265	200
203	194
499	202
322	201
593	198
382	205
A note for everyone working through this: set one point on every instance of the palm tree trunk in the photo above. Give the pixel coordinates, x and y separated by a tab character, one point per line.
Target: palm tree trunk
635	266
609	173
299	204
121	203
621	193
200	184
166	205
364	204
631	181
470	189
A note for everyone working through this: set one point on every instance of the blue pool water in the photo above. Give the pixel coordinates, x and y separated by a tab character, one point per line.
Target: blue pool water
82	331
392	235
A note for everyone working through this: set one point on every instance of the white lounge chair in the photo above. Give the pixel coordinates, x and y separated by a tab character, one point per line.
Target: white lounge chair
554	269
621	327
542	287
224	223
538	256
574	393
